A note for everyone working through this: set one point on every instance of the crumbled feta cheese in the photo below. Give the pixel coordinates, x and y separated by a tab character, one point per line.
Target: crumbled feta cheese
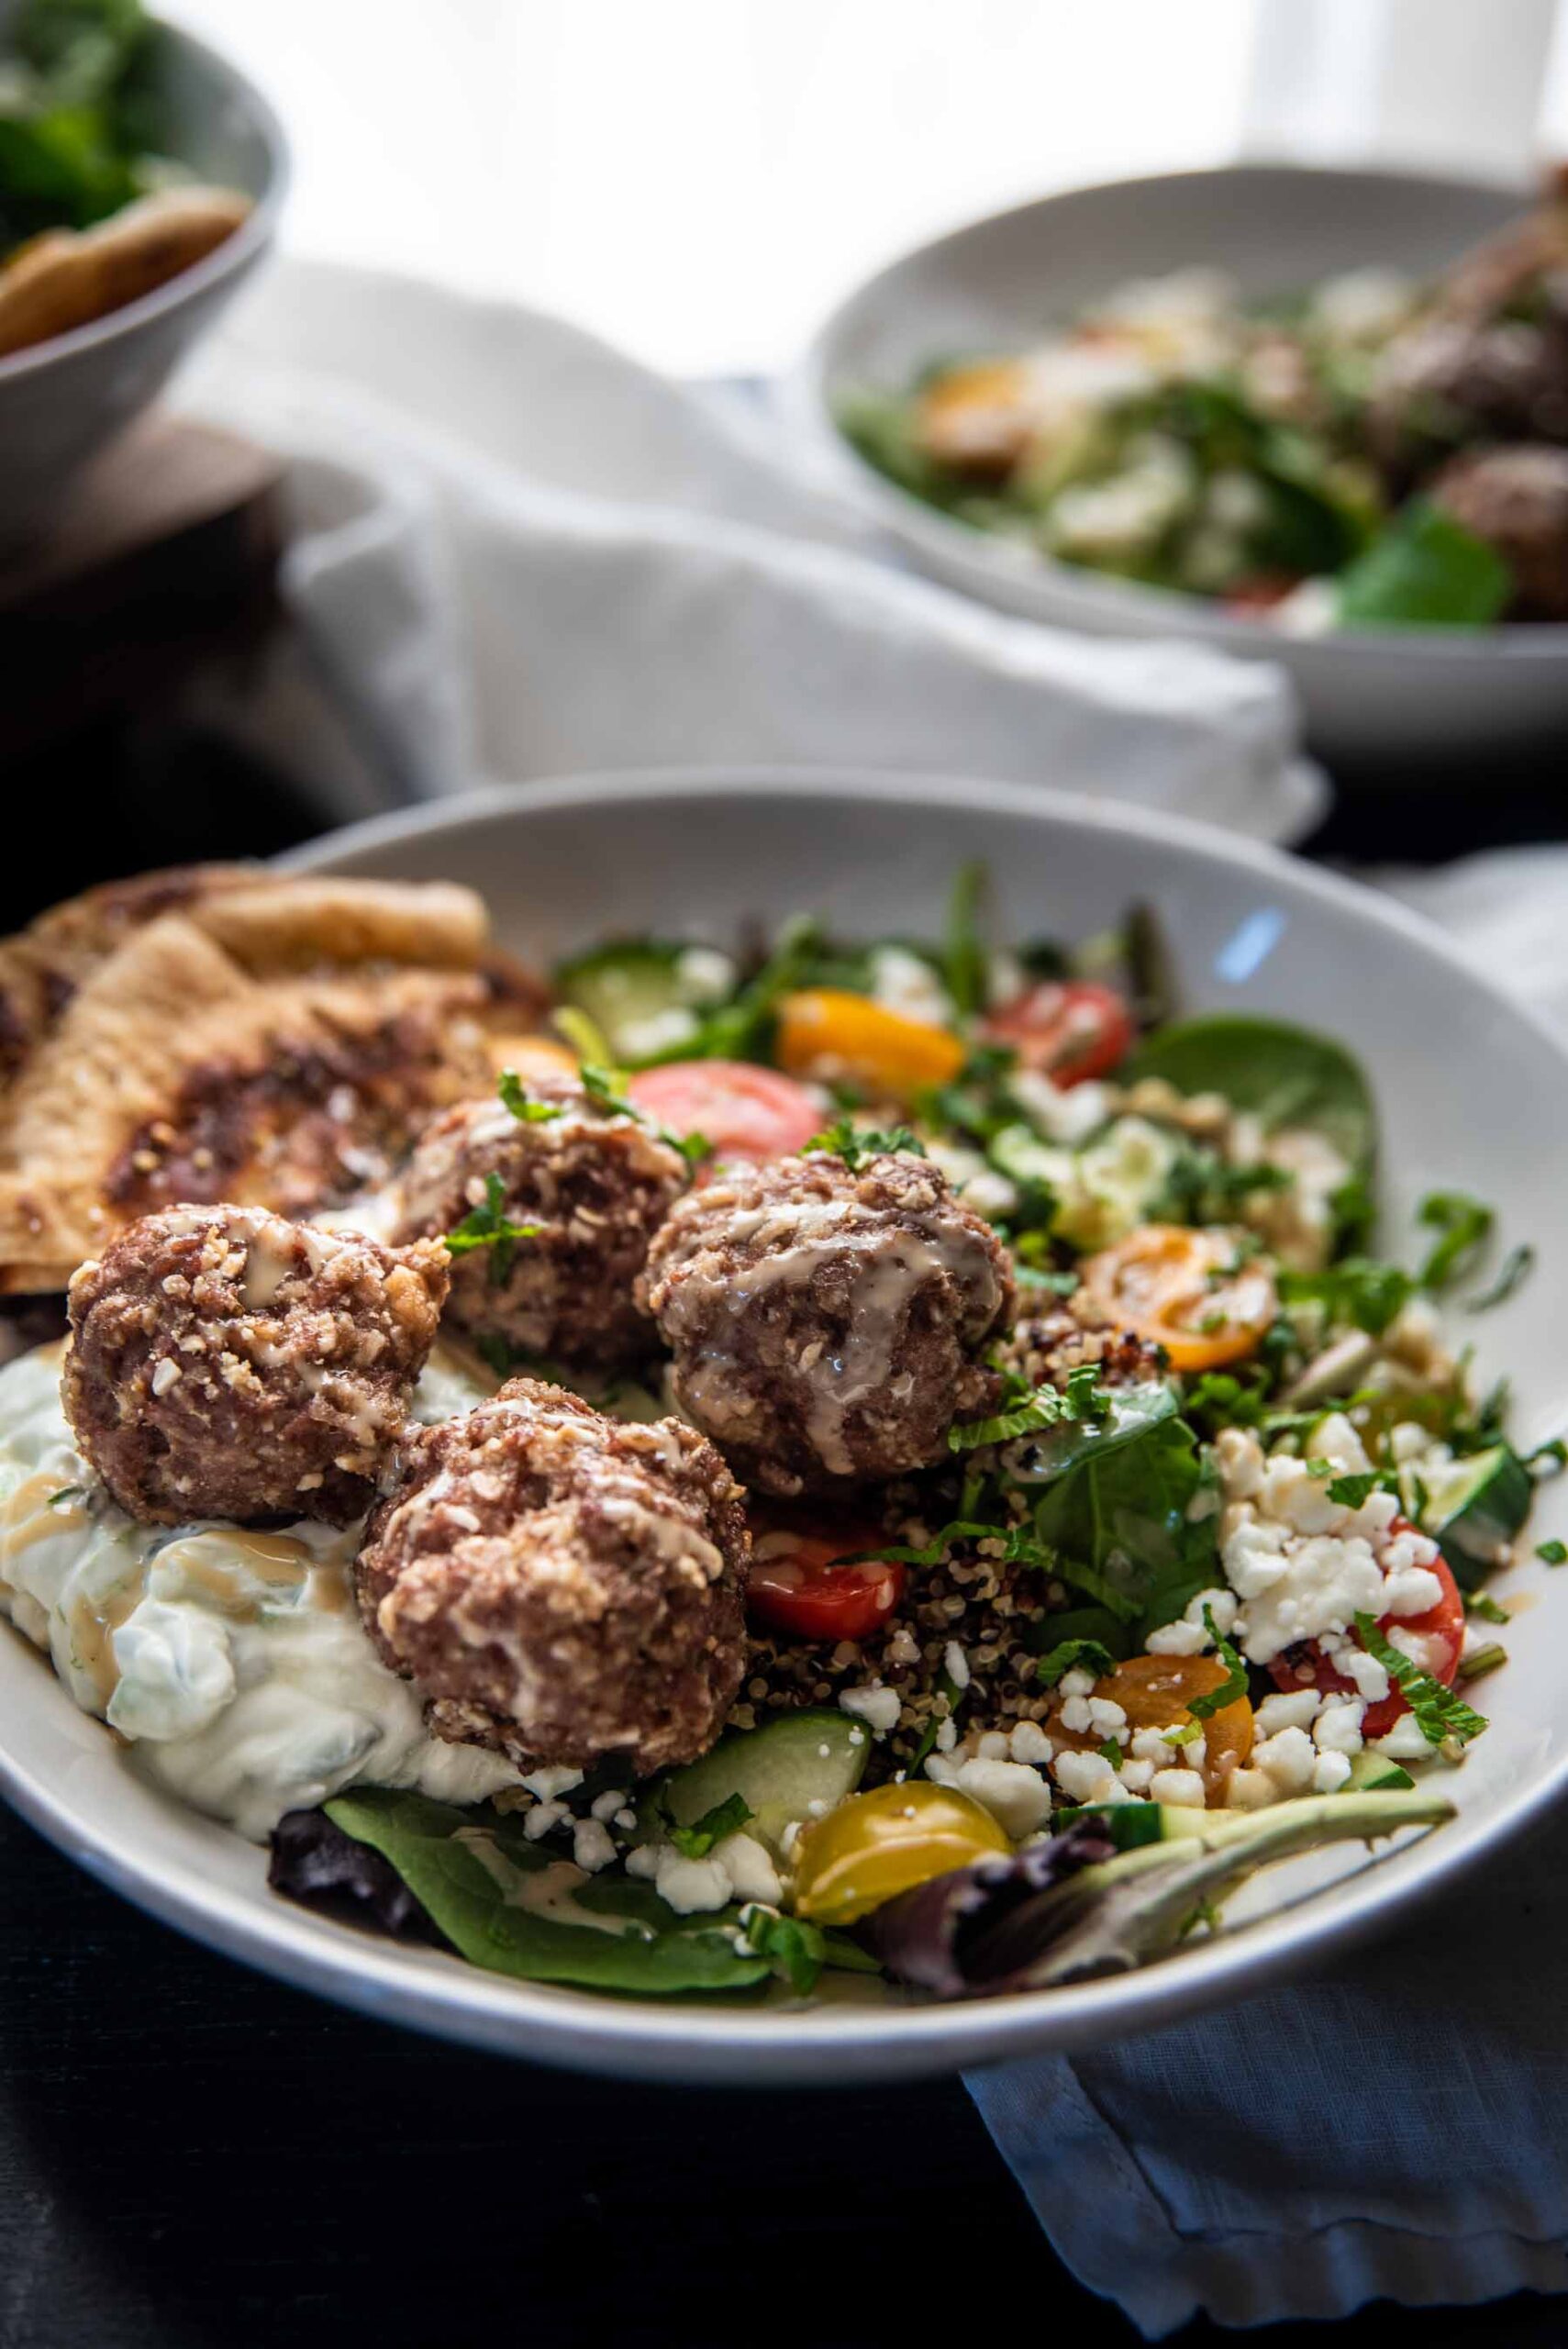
1148	1745
1018	1798
704	974
1177	1785
1077	1683
992	1744
1338	1727
753	1876
1107	1718
1189	1635
690	1886
1292	1710
643	1859
539	1821
555	1779
1135	1777
957	1665
1077	1717
606	1806
1029	1743
907	984
1330	1772
1405	1741
947	1735
1085	1777
661	1031
878	1707
1067	1117
593	1846
1286	1760
1410	1590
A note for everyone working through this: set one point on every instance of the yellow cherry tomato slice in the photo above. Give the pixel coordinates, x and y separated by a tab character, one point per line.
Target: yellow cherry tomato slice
828	1032
976	417
1187	1291
1156	1692
875	1846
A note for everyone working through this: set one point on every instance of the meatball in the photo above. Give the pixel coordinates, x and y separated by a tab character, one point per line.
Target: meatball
589	1185
1444	384
560	1585
226	1363
828	1323
1517	500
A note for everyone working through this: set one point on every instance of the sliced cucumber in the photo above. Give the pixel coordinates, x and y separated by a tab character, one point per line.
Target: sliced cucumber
645	995
1375	1773
1130	1824
1472	1509
796	1767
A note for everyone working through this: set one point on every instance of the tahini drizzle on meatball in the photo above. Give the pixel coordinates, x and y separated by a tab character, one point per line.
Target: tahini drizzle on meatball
226	1363
594	1183
828	1323
561	1586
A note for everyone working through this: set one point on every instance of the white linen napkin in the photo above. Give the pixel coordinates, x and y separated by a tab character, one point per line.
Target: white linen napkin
522	554
1395	2129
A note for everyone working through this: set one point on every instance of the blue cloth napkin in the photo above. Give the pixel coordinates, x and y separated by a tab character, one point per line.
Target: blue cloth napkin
1395	2129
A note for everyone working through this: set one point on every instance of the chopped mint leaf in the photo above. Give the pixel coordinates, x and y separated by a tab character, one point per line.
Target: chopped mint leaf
795	1949
1552	1457
726	1818
514	1097
489	1226
1355	1491
601	1084
1111	1752
1462	1225
855	1143
1515	1267
1553	1552
1424	570
1439	1714
1481	1661
1357	1292
1480	1603
1234	1685
1029	1276
1085	1401
1075	1655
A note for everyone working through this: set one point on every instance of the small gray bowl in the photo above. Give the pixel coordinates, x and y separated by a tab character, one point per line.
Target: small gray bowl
61	400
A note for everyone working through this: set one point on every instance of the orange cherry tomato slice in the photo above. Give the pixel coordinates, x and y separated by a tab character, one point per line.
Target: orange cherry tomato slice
797	1587
1441	1628
1155	1692
1067	1029
834	1034
1185	1291
745	1112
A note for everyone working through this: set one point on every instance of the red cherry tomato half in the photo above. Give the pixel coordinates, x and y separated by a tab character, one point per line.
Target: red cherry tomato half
1067	1029
1260	593
798	1589
1442	1627
744	1112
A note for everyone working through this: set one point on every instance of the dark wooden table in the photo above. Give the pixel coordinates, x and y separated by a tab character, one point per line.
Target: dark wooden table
192	2156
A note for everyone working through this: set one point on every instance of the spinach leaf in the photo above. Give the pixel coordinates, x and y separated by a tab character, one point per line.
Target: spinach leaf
1425	571
512	1907
1284	1075
1123	1514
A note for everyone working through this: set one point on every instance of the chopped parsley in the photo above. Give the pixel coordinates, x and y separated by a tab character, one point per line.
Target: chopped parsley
1476	1666
1439	1714
1358	1291
1075	1656
1552	1553
490	1226
1462	1225
1040	1408
726	1818
797	1950
1111	1752
1234	1684
1515	1267
855	1143
514	1097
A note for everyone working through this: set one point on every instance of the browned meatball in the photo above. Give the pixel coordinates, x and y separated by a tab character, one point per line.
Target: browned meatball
593	1183
829	1324
1444	384
561	1586
225	1363
1517	500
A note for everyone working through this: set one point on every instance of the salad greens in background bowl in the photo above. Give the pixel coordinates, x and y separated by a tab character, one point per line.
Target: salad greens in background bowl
1313	415
1392	1128
140	181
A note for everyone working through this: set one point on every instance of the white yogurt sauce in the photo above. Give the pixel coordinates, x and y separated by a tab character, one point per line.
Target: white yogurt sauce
233	1661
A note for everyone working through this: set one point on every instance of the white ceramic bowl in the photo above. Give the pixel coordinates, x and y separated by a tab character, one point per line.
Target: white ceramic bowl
1474	1093
1393	701
63	399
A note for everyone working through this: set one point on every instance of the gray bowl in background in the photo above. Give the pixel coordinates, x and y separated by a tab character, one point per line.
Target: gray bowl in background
1397	703
61	400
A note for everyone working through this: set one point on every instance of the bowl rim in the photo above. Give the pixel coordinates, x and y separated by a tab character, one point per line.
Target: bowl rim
647	2039
1134	606
244	245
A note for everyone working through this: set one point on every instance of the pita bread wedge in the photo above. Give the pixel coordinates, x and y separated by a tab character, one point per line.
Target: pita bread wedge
227	1033
67	277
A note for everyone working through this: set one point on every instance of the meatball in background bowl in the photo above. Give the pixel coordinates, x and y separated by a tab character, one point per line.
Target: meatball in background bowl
1474	1093
1392	707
